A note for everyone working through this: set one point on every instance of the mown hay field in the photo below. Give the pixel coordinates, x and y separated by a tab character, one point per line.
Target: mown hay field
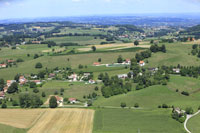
19	118
49	120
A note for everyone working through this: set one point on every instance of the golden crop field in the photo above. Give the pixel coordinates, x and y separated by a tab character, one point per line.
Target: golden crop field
49	120
116	46
20	118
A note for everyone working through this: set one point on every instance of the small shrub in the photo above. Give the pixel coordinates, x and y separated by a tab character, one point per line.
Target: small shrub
35	90
181	119
185	93
136	105
123	105
3	106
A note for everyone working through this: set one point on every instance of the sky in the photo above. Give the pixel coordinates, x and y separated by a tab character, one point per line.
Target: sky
61	8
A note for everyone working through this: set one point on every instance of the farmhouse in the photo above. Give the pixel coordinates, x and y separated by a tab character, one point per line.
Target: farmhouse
176	70
73	77
179	111
2	95
22	80
153	70
52	75
96	64
3	65
72	100
142	63
38	82
122	76
91	81
59	100
9	82
36	42
128	61
11	61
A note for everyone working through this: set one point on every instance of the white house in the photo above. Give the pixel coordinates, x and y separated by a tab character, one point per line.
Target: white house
72	100
142	63
122	76
73	77
176	70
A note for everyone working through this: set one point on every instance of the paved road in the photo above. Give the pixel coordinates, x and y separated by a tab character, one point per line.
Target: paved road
189	117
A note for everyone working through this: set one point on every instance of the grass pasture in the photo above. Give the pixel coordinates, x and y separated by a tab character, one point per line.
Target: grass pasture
177	53
194	124
150	98
51	62
134	121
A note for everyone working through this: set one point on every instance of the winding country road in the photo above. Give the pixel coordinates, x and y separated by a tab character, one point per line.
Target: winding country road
189	117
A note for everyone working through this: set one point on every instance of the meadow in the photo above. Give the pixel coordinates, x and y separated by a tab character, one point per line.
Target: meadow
177	53
152	97
194	125
134	121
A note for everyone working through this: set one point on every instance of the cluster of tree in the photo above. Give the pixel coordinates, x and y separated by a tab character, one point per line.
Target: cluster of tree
91	96
38	65
49	43
162	32
143	55
2	83
196	50
130	28
145	78
13	88
113	86
190	71
27	100
155	48
167	40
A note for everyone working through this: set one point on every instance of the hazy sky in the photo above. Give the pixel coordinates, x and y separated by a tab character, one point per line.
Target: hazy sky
47	8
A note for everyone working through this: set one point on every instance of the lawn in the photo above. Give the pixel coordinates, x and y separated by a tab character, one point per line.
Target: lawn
134	121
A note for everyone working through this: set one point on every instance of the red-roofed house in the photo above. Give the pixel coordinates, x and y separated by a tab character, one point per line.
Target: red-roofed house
142	63
9	82
59	100
72	100
51	75
22	80
3	65
96	64
11	61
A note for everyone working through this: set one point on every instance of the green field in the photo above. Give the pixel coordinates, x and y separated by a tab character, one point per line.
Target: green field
134	121
150	98
51	62
82	40
9	129
194	124
177	53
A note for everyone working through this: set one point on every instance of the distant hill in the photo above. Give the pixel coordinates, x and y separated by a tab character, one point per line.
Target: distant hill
195	30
